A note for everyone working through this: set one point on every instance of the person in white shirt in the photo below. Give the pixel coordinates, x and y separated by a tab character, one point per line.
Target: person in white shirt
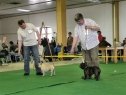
26	34
86	31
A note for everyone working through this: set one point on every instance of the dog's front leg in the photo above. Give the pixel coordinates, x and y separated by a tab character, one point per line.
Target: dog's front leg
54	72
85	76
51	73
96	76
90	76
43	73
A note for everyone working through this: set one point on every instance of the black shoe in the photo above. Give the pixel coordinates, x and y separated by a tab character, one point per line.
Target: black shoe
109	61
26	74
39	73
9	62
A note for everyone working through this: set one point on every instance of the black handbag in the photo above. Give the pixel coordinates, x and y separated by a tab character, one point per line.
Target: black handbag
2	55
4	51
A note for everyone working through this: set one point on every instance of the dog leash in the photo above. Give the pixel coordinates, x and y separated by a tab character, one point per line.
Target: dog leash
86	33
43	26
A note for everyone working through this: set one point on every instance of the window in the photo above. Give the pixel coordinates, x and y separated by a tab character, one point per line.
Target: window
46	32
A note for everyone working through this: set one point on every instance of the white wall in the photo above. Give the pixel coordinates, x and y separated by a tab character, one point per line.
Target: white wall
102	14
0	26
0	29
9	27
49	19
122	20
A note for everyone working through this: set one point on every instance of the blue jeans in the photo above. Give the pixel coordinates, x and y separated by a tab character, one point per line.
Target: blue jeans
34	50
14	54
69	48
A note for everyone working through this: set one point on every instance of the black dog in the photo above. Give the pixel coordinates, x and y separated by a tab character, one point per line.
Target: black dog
89	71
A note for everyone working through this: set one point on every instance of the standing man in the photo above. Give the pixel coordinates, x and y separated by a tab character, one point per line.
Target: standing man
53	42
26	34
69	41
86	31
99	36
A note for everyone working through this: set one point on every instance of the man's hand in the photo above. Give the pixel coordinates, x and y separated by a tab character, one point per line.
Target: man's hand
88	27
39	37
39	42
19	47
19	53
72	51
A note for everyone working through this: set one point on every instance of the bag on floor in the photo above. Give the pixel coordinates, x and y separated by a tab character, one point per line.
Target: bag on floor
4	51
2	55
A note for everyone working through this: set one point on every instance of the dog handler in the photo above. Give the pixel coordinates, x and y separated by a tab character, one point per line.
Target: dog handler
26	34
86	31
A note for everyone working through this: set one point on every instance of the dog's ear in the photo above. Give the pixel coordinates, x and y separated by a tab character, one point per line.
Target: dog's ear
81	65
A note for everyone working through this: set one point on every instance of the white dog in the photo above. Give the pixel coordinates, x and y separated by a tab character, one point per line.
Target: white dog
45	67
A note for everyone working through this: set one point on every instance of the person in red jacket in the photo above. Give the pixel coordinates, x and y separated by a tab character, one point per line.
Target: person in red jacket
99	36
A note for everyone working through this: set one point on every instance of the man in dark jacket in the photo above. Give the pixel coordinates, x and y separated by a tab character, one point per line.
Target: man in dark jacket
103	44
13	46
49	51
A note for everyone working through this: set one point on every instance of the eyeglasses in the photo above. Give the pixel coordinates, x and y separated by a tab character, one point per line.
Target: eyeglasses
78	20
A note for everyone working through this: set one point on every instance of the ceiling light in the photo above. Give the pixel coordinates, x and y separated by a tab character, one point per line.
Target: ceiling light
34	1
23	10
93	0
48	0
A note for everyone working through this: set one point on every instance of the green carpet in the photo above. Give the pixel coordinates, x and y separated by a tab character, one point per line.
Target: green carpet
67	81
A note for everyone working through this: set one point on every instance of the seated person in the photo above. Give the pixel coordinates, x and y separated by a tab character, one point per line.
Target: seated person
48	53
69	41
53	42
79	47
44	42
3	51
13	51
117	44
104	43
4	43
124	43
13	46
1	48
57	49
4	46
